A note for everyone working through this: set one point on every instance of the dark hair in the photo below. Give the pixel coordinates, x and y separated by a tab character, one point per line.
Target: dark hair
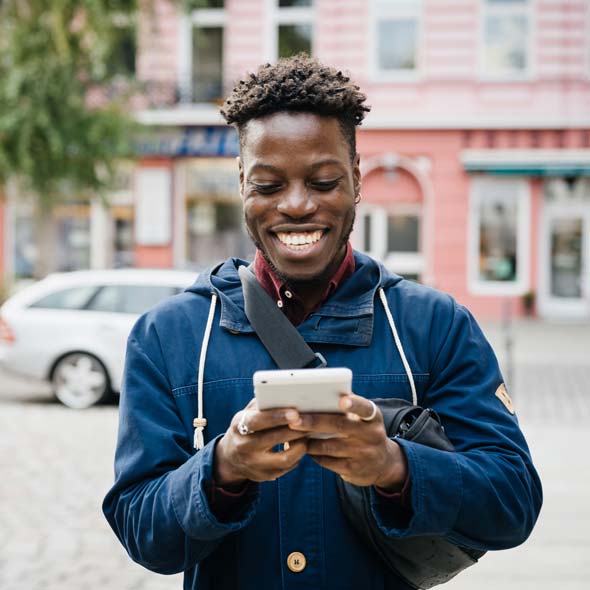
298	84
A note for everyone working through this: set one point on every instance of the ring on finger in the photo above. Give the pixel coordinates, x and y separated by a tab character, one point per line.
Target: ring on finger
373	413
243	428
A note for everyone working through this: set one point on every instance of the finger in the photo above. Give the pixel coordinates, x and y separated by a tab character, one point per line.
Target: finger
335	464
259	420
328	423
271	465
272	475
355	404
267	439
334	447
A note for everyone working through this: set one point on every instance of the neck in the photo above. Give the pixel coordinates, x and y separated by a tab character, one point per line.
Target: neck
313	291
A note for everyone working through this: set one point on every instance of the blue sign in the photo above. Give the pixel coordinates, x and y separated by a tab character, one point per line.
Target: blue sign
207	141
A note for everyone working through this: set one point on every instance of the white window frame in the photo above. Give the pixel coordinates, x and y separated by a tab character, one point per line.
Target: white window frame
550	305
525	10
201	17
296	15
400	262
376	14
520	285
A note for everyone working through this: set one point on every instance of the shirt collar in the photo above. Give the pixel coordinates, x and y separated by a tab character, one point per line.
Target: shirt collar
286	298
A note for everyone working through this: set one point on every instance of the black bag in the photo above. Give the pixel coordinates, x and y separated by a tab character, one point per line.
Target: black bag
423	561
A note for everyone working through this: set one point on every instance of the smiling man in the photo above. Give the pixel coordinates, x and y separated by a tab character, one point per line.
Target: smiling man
228	508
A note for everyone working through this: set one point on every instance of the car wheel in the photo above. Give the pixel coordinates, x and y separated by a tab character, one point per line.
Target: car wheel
79	380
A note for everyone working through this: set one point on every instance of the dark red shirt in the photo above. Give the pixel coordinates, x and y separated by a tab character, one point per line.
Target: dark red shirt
288	300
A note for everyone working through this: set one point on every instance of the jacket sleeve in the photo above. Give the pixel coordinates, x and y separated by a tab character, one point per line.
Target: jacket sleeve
158	506
487	494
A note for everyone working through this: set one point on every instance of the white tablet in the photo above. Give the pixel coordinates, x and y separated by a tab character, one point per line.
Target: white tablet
308	390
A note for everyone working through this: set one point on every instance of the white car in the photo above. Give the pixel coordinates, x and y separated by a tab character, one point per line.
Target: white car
71	328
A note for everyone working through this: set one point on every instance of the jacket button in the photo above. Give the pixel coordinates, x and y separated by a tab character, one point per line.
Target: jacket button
296	562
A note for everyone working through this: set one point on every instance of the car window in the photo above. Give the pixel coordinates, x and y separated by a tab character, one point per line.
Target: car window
71	298
107	299
129	298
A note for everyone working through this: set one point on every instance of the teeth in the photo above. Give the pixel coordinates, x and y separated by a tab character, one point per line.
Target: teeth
300	238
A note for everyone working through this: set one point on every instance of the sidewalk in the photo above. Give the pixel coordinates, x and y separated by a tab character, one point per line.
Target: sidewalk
556	554
551	390
538	341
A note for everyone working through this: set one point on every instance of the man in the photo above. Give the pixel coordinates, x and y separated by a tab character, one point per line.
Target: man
239	514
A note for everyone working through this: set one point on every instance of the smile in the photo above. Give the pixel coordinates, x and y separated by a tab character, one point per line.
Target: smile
299	240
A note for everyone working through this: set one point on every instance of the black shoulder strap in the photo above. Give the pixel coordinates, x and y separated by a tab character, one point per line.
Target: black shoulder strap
279	336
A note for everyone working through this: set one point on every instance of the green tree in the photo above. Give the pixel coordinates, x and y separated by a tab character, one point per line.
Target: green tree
54	143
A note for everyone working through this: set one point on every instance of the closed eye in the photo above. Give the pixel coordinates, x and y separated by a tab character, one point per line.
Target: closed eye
266	189
325	185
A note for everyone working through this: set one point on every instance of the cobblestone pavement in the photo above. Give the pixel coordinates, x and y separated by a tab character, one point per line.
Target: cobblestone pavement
56	465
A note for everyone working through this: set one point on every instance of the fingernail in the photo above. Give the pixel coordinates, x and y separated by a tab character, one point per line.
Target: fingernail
291	415
347	403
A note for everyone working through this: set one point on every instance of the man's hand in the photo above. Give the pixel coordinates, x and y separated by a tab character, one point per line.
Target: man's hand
362	454
239	457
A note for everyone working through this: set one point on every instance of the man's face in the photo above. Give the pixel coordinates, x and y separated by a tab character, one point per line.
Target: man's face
298	186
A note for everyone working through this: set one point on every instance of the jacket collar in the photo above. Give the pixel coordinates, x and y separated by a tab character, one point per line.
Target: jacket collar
346	318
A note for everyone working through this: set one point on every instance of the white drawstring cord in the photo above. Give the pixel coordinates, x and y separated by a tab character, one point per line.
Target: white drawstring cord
200	422
399	346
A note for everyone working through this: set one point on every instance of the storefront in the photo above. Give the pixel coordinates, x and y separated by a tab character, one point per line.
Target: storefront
530	226
189	213
83	233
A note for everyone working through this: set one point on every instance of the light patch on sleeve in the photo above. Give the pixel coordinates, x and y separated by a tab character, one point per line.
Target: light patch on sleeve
503	396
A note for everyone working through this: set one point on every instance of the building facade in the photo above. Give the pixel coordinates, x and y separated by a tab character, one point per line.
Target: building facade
475	156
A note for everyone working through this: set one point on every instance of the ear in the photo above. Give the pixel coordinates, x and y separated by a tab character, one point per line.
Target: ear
356	175
241	172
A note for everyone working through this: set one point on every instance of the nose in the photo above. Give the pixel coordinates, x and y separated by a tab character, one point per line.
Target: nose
297	203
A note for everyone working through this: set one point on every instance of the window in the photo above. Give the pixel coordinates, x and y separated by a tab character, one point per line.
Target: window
499	236
394	237
196	4
207	22
71	298
396	30
294	28
214	215
124	47
505	38
73	238
566	267
69	248
135	299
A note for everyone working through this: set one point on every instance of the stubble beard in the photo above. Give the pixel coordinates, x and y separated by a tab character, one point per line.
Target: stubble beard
321	278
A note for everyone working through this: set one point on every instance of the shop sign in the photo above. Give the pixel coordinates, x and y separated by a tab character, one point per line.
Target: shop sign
189	142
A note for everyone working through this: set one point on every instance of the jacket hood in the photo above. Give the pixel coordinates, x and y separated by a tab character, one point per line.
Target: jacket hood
224	281
224	278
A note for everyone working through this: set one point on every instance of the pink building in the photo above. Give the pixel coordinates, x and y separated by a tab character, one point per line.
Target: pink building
476	154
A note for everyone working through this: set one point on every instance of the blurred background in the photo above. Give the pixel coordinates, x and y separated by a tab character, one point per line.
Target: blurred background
113	155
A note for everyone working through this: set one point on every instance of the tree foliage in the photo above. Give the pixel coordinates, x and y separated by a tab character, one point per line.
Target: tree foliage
53	55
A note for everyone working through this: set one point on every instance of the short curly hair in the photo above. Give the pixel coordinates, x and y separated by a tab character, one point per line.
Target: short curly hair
298	84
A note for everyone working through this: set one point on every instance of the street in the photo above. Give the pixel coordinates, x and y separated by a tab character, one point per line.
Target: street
57	464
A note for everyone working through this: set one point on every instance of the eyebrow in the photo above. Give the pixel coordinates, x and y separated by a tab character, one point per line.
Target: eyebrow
314	167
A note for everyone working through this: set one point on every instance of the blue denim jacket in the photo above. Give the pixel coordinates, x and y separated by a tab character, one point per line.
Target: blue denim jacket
487	495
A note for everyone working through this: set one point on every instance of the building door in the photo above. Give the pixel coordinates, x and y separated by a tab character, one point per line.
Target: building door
564	290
